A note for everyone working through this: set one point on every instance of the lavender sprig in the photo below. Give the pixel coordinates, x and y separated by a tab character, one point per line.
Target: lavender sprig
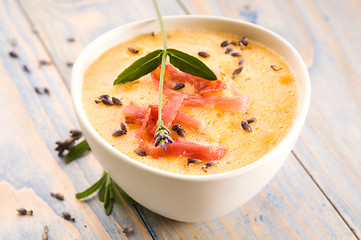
162	136
183	61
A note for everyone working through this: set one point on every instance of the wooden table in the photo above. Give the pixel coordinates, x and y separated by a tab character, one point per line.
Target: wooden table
316	194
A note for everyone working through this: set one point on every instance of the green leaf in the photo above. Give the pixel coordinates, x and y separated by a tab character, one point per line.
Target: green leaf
92	188
123	194
116	196
109	208
101	192
189	64
108	189
141	67
77	151
106	198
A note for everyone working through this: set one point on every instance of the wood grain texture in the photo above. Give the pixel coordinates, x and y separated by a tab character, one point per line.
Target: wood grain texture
316	196
83	20
31	123
329	145
289	207
15	226
278	16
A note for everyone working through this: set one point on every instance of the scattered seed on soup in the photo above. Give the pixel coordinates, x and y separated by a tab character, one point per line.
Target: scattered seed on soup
236	54
140	152
193	160
236	72
106	96
208	164
203	54
176	127
107	102
133	50
225	43
244	41
181	132
118	133
246	126
251	120
179	86
123	127
228	50
117	101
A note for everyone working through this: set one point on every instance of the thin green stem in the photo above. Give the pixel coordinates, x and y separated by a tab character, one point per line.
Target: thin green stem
160	19
161	80
164	57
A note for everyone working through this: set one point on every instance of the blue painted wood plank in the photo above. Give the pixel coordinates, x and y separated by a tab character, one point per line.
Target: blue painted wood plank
290	207
326	34
30	125
84	21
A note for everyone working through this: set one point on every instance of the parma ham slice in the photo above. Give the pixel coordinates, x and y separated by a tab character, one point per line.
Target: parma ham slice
187	149
147	118
236	103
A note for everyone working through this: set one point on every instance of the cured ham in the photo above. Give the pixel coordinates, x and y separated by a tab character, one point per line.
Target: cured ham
133	114
187	149
136	115
233	104
147	118
236	103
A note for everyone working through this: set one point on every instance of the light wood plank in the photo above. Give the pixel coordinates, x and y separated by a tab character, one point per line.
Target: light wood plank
278	16
290	207
31	124
329	144
84	20
53	19
14	226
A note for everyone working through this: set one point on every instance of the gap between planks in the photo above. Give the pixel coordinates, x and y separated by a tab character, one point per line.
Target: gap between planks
31	24
324	194
183	6
144	222
186	10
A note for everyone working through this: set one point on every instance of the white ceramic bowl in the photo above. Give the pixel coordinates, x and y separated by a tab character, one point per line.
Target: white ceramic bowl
183	197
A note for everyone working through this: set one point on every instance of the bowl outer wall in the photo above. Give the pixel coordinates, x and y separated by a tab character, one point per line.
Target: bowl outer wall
183	197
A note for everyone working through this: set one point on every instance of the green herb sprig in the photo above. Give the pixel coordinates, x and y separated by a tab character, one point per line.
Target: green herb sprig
181	60
77	151
108	192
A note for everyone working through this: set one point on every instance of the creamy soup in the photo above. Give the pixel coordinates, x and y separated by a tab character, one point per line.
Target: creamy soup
265	80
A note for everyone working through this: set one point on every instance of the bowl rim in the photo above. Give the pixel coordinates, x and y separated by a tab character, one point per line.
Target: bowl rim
76	83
